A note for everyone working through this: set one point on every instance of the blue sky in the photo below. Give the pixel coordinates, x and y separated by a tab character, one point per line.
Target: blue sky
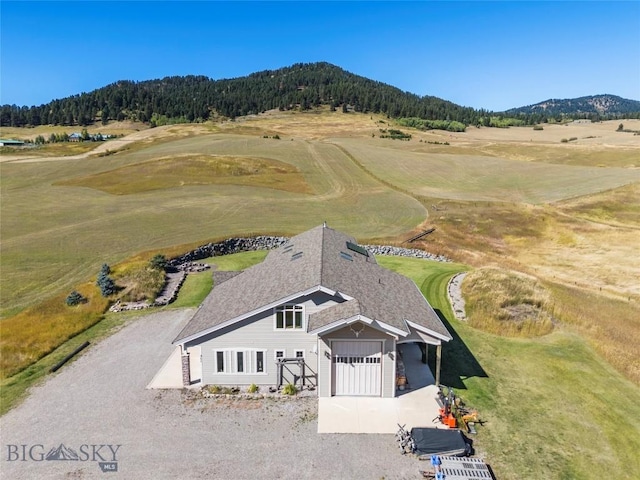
493	55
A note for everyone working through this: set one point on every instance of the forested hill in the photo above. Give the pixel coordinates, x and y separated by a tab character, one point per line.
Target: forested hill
197	98
300	86
593	105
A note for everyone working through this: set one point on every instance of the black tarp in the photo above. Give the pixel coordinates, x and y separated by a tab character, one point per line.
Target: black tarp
438	441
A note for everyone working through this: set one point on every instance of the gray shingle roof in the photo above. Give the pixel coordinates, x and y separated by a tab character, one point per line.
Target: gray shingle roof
318	257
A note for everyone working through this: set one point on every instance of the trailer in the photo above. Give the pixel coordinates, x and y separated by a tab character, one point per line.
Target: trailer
457	468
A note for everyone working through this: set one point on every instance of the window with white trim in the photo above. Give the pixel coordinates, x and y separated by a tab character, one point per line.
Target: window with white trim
239	361
260	361
299	353
279	354
289	317
220	362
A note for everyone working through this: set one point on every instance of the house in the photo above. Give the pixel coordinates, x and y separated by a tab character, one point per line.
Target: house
318	311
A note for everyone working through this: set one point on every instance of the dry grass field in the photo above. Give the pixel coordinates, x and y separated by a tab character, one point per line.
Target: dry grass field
565	215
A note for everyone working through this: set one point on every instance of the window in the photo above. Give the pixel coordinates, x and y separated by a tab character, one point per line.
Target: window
259	362
240	362
243	361
289	317
299	353
220	362
279	354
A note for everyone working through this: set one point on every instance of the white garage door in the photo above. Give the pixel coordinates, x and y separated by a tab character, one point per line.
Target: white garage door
357	368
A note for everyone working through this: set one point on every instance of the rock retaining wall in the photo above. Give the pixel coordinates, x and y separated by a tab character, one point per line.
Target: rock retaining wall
404	252
228	246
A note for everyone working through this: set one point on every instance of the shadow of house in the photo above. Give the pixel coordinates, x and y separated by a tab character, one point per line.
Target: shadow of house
458	362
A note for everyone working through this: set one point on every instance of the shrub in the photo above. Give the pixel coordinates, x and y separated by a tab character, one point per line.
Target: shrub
538	127
253	388
564	140
290	389
158	262
215	389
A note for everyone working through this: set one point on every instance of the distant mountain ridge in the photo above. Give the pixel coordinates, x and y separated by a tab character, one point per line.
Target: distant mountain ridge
605	104
302	86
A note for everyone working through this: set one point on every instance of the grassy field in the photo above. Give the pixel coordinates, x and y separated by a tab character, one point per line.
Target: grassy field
180	171
485	178
53	235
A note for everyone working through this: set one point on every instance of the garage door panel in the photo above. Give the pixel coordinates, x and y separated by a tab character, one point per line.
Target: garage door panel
357	368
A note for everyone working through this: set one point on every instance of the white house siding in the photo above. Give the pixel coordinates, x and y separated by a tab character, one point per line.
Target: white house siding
325	371
194	363
258	333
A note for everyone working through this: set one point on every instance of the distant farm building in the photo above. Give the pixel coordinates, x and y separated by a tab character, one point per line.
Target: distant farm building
10	143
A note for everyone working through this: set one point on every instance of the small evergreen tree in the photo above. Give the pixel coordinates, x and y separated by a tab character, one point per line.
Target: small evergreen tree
620	128
105	283
74	298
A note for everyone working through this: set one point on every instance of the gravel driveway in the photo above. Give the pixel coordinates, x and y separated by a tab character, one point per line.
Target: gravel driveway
99	402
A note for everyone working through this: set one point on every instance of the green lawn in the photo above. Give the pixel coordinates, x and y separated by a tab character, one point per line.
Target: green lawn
194	290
